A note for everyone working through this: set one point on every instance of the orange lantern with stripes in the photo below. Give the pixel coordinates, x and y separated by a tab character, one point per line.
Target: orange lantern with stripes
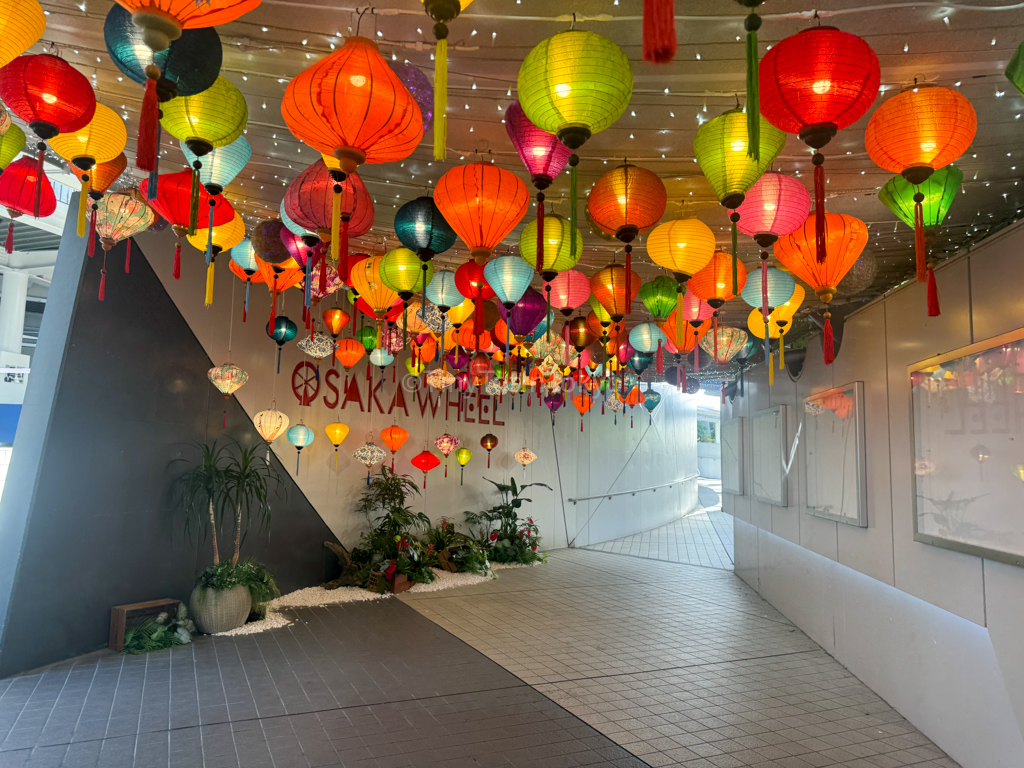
483	204
394	437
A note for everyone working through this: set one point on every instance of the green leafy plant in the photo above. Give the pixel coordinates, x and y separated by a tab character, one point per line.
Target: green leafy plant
249	573
507	537
201	490
163	631
464	551
389	545
249	483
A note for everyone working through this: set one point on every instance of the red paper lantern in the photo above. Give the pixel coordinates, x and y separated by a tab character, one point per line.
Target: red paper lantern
813	84
425	461
471	283
22	187
483	204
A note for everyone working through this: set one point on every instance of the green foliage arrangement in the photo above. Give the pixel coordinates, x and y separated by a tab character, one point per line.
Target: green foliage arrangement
163	631
249	573
465	552
507	537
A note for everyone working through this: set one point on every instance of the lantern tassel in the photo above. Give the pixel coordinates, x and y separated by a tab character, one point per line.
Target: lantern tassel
193	214
441	94
342	253
209	284
764	289
696	354
771	370
209	233
735	261
154	175
278	358
127	255
336	222
103	283
573	196
830	352
715	340
39	179
682	377
920	250
819	206
83	197
933	294
177	261
629	274
9	242
245	308
782	353
540	231
659	31
752	23
91	247
660	360
149	123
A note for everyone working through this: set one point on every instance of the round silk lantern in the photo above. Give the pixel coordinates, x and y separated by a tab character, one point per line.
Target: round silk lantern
421	228
367	280
556	253
845	238
206	120
120	216
426	461
567	291
508	277
21	186
714	283
463	456
394	437
683	247
483	204
814	84
443	291
11	145
404	273
267	241
420	87
724	343
775	289
471	282
270	424
368	454
221	165
300	436
105	174
914	134
659	297
22	23
351	105
615	288
336	433
527	313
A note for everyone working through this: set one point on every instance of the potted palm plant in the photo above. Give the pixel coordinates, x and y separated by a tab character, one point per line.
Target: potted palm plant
218	482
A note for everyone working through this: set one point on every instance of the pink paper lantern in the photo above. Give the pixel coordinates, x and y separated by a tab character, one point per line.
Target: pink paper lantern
776	206
694	309
569	290
541	152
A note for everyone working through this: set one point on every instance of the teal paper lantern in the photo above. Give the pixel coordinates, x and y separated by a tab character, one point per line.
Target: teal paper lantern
283	331
443	292
646	338
381	358
189	65
300	436
421	228
220	166
244	256
780	289
289	223
509	277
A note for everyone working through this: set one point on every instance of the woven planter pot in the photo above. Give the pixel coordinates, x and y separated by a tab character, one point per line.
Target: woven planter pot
218	610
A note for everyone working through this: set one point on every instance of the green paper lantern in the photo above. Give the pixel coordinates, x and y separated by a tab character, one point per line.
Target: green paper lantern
367	336
558	241
403	272
721	150
1015	69
11	144
659	296
939	190
207	120
575	84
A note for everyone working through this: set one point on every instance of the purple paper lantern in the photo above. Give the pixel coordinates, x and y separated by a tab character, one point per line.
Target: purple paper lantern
554	401
420	87
457	358
625	350
527	313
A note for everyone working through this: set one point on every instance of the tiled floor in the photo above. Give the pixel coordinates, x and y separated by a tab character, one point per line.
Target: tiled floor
371	685
701	537
683	666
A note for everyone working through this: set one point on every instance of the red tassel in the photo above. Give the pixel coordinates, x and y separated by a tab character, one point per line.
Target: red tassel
478	316
149	123
103	283
540	231
819	208
40	173
629	275
392	463
488	459
659	31
225	418
682	378
602	407
9	242
830	351
127	255
933	295
919	246
91	247
716	340
177	261
424	479
660	360
445	469
696	356
273	307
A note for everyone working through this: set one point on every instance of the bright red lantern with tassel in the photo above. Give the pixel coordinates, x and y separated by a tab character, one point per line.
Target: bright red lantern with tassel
173	201
845	238
814	84
424	462
914	134
471	283
22	188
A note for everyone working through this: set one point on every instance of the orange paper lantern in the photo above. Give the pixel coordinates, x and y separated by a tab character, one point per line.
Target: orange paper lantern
615	287
394	437
713	284
483	204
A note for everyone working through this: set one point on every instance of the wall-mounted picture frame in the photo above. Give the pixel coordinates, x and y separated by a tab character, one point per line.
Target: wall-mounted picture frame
769	452
834	449
967	443
732	456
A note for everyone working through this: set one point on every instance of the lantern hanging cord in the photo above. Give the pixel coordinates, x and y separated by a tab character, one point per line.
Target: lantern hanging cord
231	322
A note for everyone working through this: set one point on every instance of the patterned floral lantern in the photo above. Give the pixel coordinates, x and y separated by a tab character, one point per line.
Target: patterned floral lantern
271	424
524	456
440	379
426	461
318	346
724	343
120	216
368	454
300	436
227	379
483	204
446	443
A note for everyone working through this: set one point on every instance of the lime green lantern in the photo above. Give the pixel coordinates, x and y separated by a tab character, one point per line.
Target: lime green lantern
939	190
213	118
720	147
659	296
1015	69
403	272
558	245
11	144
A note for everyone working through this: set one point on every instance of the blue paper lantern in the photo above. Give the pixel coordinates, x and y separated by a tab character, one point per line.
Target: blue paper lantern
283	331
639	361
189	65
220	166
300	436
381	358
780	288
244	256
509	277
443	292
421	227
646	337
289	223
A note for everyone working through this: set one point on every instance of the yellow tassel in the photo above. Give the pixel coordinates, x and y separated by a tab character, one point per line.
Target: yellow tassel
209	285
782	353
83	196
335	227
378	334
441	99
771	370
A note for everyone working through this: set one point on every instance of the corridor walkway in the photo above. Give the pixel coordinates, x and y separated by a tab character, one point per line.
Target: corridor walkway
701	537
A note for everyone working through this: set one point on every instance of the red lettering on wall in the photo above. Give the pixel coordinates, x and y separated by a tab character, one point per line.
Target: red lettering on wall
371	397
494	419
448	404
429	398
352	394
483	406
468	408
399	400
329	379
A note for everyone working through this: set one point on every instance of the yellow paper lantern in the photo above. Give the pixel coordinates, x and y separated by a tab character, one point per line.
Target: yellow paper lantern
365	278
22	23
225	237
683	247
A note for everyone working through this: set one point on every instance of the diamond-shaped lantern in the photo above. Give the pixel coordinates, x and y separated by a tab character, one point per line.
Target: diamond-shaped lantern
524	456
271	425
227	378
368	454
319	346
440	379
446	443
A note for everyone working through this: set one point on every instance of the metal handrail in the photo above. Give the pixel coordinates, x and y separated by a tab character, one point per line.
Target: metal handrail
635	491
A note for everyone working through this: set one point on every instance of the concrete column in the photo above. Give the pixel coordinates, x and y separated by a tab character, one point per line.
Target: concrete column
13	293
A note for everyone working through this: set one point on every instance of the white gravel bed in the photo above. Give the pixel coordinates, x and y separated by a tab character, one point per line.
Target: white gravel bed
506	566
447	580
